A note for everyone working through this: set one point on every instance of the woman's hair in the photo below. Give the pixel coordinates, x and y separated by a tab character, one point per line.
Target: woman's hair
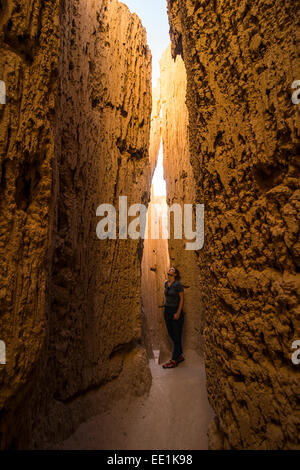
178	277
177	274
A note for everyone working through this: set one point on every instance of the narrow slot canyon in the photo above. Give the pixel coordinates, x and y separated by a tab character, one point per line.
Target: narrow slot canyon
92	123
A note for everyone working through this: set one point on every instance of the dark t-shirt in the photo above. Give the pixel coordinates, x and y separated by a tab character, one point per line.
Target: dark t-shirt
172	294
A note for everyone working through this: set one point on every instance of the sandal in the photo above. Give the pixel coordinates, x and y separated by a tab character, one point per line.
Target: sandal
170	365
180	359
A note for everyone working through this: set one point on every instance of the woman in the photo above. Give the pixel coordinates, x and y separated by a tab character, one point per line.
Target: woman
174	315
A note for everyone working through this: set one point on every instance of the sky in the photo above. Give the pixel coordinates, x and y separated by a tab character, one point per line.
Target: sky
154	17
159	184
153	14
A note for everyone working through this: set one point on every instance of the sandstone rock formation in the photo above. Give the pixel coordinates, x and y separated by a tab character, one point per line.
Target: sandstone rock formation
74	135
241	59
181	189
156	130
29	65
155	265
169	122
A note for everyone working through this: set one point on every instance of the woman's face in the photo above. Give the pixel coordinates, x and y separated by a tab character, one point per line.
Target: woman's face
171	272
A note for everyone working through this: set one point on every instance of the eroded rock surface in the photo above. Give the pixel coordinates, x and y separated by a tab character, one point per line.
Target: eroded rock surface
241	60
155	265
28	66
169	124
74	135
181	190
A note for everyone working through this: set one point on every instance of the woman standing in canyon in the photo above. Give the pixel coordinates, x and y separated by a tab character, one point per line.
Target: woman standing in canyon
174	315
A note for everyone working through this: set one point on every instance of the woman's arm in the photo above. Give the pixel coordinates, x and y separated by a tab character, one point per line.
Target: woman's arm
177	314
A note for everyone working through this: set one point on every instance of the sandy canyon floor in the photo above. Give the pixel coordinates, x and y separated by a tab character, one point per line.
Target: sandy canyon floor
174	415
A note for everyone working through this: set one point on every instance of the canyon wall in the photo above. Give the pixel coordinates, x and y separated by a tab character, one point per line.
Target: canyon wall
169	123
155	260
241	59
155	265
74	135
28	66
155	132
181	189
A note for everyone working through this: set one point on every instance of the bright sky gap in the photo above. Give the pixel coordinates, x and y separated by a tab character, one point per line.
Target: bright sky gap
154	17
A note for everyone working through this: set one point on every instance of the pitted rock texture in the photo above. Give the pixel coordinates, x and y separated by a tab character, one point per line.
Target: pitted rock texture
169	124
155	266
181	189
29	39
74	135
155	260
102	152
241	60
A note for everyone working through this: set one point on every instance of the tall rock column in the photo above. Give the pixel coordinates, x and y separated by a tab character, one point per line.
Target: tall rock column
155	256
241	59
75	136
103	126
29	41
181	189
155	266
170	123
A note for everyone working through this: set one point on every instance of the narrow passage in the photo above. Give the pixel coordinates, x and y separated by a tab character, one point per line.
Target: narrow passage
175	414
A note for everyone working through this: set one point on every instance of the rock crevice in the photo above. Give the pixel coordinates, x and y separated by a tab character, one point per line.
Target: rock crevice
68	300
